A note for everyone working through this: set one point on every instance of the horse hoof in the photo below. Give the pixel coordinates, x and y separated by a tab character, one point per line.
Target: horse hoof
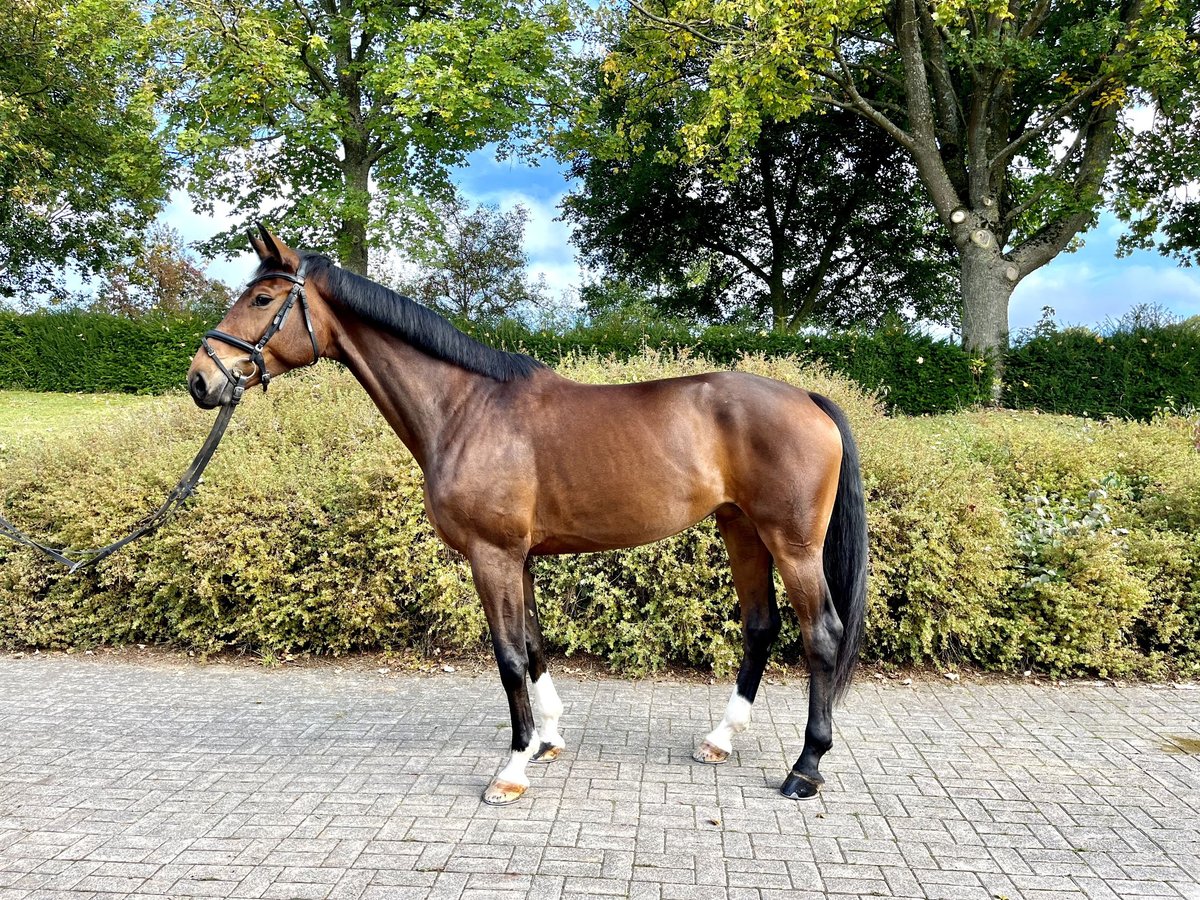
547	753
710	754
502	793
801	787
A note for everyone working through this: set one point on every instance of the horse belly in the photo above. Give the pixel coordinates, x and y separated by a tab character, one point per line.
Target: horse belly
611	510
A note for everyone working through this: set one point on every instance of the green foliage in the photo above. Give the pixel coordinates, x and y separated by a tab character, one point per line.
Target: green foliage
309	535
90	352
914	373
328	117
163	276
1104	527
827	223
471	263
942	555
1134	370
1016	117
82	166
1078	597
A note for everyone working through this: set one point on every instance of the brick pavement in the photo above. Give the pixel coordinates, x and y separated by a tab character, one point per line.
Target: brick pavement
121	779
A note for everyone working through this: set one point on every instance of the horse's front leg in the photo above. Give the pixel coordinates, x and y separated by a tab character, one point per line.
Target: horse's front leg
499	578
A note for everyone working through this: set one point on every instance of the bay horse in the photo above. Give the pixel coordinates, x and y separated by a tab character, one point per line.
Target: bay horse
520	461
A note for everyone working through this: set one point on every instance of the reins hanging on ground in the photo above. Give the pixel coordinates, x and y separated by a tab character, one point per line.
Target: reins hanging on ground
191	478
181	492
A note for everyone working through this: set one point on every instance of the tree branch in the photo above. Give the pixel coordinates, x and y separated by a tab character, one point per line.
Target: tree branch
872	39
722	247
923	142
1011	217
878	73
816	276
678	26
846	83
1037	18
949	114
1063	110
1050	240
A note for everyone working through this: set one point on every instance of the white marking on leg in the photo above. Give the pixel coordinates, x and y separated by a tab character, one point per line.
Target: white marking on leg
550	708
736	720
514	771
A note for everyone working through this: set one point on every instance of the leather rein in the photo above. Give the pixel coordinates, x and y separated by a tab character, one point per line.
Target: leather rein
192	476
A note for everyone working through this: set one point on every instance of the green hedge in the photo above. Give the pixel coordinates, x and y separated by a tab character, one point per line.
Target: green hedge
91	352
1130	373
1004	539
94	353
912	373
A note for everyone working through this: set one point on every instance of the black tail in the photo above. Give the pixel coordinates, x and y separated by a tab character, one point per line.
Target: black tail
846	551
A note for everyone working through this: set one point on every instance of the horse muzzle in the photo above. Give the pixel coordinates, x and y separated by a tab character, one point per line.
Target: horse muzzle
209	391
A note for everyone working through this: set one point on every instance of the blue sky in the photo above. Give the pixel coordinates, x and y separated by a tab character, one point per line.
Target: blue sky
1085	287
1092	284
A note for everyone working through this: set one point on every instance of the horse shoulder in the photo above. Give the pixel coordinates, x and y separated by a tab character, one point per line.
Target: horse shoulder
483	490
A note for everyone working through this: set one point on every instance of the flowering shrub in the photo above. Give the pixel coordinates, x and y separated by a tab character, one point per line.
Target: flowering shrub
1046	523
1009	540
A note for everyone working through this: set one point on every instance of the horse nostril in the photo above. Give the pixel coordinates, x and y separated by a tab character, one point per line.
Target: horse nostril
199	386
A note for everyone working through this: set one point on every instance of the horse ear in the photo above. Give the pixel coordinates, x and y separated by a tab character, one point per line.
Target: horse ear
278	250
259	247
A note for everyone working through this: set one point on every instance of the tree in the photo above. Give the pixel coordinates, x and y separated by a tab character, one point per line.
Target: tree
82	166
827	221
327	115
471	263
1011	111
162	277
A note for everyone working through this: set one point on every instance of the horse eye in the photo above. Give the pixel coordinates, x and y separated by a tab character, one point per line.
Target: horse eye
262	300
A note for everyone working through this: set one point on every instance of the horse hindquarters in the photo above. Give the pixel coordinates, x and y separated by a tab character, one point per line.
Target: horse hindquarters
827	588
815	531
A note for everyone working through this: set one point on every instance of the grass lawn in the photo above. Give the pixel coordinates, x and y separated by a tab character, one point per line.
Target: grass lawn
26	414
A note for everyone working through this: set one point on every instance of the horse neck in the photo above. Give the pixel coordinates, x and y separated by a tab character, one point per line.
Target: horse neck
417	394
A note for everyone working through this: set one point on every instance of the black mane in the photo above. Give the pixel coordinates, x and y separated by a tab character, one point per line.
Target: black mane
417	325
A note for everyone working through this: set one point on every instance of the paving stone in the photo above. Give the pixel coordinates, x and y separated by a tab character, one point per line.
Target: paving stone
178	780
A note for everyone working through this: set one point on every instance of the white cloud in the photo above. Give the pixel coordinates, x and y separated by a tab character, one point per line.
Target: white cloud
1083	293
560	279
547	240
505	183
194	226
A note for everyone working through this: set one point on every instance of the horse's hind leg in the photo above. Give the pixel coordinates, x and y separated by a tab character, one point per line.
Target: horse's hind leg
803	575
545	697
751	564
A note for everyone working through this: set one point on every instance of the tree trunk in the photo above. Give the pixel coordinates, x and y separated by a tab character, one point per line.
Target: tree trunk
986	290
987	286
352	247
780	314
